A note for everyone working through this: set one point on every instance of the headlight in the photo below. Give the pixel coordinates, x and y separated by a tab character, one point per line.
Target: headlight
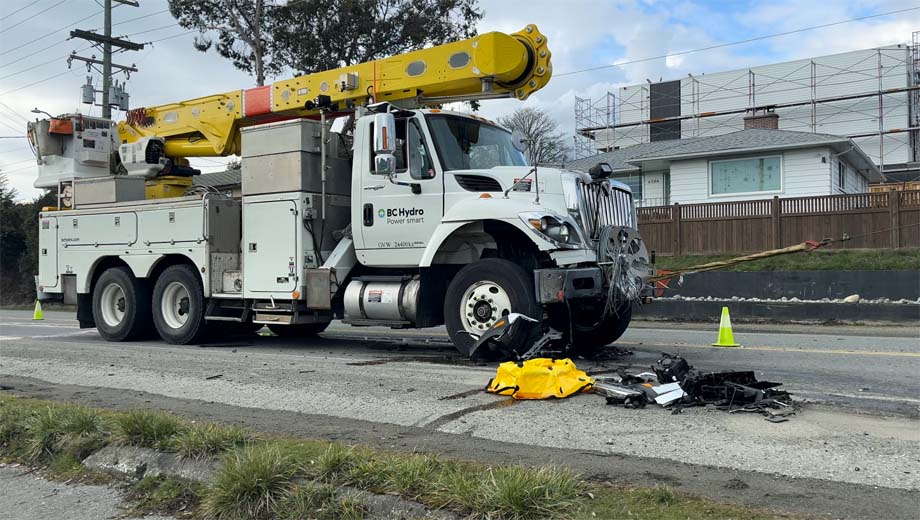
552	228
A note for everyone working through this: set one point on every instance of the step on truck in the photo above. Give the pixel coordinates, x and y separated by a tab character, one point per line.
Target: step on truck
360	200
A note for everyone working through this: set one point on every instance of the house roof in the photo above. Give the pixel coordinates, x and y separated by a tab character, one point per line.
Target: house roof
752	140
744	140
619	159
218	179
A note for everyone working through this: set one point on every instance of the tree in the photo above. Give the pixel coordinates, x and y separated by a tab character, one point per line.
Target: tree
263	38
18	244
317	35
242	28
544	144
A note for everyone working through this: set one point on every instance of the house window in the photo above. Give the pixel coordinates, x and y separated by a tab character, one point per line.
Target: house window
753	175
633	181
842	176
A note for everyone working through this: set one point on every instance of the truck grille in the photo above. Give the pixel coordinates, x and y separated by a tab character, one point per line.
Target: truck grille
604	205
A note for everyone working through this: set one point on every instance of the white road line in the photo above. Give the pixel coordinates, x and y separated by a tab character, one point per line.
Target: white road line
64	335
871	397
9	338
40	323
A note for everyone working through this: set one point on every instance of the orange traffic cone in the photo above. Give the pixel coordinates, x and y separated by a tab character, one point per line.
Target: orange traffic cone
726	337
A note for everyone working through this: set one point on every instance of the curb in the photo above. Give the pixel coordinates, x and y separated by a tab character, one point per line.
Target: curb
799	312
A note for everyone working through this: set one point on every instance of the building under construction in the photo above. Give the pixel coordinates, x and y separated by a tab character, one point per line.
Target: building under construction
868	95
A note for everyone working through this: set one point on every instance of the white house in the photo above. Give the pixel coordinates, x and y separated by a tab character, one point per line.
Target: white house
755	163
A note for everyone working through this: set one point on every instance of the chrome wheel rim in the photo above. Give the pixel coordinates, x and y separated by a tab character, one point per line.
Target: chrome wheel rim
174	306
113	303
482	304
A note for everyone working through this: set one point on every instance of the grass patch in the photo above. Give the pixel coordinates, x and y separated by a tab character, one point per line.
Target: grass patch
76	430
874	260
516	492
148	429
250	483
206	440
164	496
317	501
263	477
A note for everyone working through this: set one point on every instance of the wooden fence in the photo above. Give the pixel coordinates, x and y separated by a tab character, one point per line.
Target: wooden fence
888	220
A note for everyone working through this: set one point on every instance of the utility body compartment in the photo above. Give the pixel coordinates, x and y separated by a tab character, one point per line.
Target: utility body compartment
141	233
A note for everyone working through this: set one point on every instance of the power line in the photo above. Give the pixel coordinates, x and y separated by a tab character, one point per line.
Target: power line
31	17
43	49
11	127
739	42
13	112
35	83
30	42
12	137
21	9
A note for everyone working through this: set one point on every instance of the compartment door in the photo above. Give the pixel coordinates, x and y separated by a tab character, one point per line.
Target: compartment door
48	275
271	231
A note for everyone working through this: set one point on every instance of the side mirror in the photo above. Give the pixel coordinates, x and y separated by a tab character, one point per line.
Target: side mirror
517	140
384	164
384	134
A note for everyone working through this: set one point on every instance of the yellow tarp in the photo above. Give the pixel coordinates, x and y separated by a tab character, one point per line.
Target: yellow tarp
539	378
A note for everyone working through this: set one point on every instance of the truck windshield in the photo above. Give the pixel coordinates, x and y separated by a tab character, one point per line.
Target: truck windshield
467	144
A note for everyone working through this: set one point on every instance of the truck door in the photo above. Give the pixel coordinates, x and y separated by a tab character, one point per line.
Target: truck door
398	218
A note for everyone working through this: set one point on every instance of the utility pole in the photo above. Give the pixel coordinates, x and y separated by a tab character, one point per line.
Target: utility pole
107	61
112	95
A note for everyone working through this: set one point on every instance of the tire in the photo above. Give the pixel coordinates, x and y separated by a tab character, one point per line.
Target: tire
300	330
515	294
588	331
121	305
179	305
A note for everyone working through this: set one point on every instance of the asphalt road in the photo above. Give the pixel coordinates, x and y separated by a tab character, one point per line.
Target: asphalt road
857	452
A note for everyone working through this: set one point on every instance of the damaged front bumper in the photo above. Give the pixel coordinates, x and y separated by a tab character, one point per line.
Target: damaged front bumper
561	285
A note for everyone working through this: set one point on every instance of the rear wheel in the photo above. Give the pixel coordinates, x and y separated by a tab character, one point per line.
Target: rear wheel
121	305
299	330
481	293
179	306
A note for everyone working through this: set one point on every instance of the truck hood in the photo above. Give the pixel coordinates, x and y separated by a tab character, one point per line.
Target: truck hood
550	179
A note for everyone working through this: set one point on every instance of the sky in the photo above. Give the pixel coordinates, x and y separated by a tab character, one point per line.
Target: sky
581	34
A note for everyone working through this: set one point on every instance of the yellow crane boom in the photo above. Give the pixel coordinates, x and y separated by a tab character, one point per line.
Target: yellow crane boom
490	65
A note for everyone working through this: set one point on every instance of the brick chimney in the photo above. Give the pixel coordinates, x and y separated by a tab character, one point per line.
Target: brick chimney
767	120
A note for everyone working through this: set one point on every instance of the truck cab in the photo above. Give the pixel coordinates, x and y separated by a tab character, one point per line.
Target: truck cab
457	196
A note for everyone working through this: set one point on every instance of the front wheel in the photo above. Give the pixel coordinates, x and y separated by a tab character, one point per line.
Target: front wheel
481	294
179	306
589	329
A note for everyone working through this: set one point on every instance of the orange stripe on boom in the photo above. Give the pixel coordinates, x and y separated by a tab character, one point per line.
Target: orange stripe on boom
258	101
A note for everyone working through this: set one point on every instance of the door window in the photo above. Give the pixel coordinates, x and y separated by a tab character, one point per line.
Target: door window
419	160
411	152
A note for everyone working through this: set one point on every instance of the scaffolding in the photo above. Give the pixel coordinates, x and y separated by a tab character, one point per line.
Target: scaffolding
593	114
871	96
